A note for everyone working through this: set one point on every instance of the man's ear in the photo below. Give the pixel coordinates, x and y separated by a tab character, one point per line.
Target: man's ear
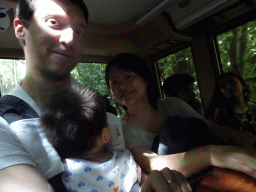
106	135
19	29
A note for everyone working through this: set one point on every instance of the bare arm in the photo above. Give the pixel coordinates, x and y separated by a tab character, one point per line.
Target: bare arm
23	178
197	159
239	137
181	162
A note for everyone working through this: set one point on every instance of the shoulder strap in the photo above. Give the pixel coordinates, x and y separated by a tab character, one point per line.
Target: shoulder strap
57	183
13	109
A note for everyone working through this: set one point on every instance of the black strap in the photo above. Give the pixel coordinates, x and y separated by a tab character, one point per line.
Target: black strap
13	109
57	183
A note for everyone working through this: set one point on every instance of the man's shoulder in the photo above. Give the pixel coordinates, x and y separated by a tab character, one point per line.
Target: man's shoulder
13	108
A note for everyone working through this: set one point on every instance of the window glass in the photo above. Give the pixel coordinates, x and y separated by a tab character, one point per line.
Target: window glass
87	74
12	71
180	62
238	53
93	75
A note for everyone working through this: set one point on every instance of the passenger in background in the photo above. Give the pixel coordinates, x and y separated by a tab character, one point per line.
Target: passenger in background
130	81
182	86
230	105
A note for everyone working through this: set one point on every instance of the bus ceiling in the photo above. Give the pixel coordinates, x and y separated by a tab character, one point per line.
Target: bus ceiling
145	27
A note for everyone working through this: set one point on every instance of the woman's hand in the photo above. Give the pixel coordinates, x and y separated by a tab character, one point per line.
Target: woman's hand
233	157
166	180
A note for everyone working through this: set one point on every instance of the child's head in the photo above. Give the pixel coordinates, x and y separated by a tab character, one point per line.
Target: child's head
72	121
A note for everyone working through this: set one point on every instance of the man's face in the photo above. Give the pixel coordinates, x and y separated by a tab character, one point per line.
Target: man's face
187	94
54	38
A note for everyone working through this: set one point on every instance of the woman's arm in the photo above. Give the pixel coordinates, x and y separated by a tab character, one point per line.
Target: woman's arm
191	162
181	162
23	178
239	137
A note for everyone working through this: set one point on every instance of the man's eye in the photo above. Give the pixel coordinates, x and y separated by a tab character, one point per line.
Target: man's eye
53	22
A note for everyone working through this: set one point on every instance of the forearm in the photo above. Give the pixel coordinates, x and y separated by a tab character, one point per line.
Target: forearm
237	137
23	178
187	163
193	161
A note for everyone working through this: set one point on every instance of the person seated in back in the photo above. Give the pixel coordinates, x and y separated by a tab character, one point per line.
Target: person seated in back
230	105
181	86
75	123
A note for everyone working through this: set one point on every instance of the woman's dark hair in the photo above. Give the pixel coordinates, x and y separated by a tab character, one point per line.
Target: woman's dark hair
26	9
72	120
138	65
219	99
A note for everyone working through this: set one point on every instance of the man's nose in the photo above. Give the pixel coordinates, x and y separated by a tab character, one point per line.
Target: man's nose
67	36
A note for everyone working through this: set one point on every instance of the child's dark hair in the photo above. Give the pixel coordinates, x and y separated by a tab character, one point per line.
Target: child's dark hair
72	120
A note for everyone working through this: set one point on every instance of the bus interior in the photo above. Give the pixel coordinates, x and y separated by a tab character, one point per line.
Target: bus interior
155	29
203	38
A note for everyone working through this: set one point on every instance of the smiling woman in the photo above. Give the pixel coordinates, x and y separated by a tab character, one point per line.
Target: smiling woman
168	127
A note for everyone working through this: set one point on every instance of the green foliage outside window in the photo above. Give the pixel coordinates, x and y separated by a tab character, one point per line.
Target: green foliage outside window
238	53
93	75
236	47
12	71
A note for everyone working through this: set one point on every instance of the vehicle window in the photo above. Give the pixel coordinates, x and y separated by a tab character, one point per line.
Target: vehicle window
179	62
87	74
93	75
238	53
12	71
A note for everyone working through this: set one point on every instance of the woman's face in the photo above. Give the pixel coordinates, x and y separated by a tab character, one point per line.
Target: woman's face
231	87
127	87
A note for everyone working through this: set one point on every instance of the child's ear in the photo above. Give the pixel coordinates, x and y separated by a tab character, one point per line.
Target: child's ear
19	29
106	135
